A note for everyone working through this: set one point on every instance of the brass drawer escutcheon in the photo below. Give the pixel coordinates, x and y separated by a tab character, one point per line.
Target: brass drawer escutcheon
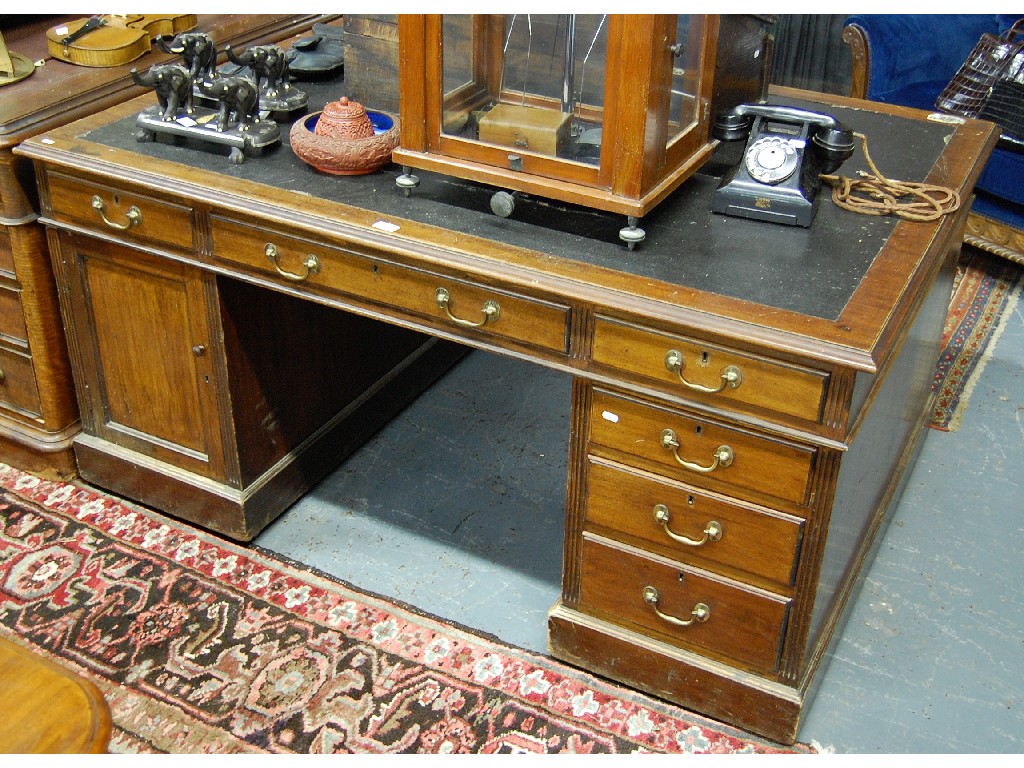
700	611
713	531
311	264
724	455
133	217
491	310
732	376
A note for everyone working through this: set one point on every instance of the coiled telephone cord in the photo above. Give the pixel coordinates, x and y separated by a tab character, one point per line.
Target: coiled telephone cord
876	195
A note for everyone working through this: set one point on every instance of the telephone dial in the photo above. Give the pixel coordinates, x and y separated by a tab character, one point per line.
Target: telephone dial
787	148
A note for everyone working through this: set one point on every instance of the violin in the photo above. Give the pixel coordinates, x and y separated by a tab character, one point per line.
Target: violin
165	24
111	40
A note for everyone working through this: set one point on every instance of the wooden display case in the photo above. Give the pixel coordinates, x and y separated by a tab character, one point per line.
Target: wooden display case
606	111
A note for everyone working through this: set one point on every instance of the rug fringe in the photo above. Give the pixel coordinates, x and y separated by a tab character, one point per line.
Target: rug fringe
1009	311
985	293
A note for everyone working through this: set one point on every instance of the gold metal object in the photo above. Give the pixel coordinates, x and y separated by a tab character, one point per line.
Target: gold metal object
134	215
491	311
311	265
712	530
13	66
732	376
724	455
700	611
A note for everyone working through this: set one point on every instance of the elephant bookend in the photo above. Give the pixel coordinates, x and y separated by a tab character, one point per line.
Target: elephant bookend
268	66
236	107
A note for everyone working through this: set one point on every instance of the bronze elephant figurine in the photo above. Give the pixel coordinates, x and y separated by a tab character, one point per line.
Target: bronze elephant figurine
237	97
197	50
268	64
173	86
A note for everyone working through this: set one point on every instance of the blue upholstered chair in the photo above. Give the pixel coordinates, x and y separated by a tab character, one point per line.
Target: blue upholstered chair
908	60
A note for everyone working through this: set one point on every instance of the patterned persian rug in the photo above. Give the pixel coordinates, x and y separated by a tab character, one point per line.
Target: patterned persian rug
985	293
201	645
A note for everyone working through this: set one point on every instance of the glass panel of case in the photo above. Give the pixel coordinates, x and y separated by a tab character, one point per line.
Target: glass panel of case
534	82
685	97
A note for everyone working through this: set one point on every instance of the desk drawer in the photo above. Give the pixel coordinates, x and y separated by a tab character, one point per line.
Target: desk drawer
690	526
6	253
12	316
629	588
692	449
122	212
476	310
689	368
18	381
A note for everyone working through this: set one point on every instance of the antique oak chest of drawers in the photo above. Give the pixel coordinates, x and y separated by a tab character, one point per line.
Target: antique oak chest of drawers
746	398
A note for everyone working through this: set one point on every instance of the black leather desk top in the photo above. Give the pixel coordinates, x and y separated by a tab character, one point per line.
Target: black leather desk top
811	271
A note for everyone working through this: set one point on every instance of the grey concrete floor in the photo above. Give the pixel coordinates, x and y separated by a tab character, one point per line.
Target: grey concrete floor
932	659
456	508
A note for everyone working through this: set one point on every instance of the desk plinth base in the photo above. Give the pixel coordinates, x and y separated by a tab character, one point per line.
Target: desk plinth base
718	691
49	454
241	513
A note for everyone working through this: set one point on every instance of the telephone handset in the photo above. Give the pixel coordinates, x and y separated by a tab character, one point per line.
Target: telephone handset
787	148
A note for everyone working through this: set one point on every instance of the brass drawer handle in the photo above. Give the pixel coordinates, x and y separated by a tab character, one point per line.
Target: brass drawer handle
724	455
732	376
311	264
712	530
490	310
134	215
700	611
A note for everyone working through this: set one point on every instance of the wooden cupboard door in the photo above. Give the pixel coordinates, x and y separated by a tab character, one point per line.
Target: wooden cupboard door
147	357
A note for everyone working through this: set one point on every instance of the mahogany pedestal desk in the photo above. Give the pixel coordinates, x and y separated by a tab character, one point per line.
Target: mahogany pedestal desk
746	397
38	413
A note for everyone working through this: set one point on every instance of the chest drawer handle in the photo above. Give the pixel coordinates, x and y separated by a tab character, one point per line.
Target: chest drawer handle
311	264
490	310
732	376
700	611
724	455
134	215
712	531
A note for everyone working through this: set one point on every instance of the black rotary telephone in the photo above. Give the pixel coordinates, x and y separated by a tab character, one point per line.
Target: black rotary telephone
787	148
